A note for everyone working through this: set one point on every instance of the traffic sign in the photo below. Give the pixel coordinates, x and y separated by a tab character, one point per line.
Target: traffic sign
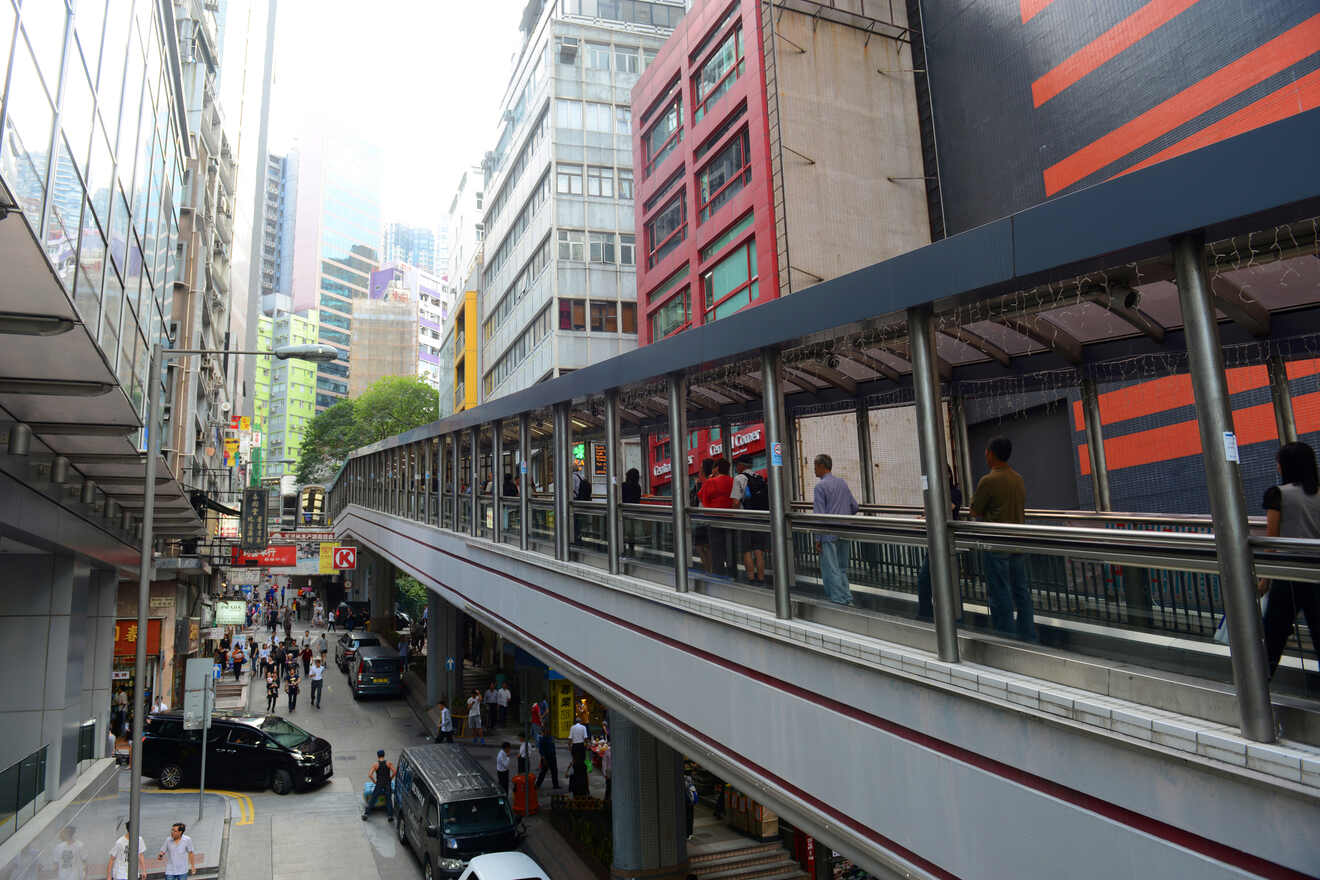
345	558
449	664
198	688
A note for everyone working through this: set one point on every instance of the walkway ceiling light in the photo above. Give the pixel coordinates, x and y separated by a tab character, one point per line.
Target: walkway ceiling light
22	324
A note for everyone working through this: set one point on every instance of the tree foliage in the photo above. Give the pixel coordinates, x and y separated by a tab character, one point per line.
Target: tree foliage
390	406
412	596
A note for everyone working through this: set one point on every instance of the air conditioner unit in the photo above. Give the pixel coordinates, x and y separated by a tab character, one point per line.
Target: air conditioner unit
568	49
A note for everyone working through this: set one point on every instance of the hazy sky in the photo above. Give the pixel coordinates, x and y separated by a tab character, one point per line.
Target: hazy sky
421	78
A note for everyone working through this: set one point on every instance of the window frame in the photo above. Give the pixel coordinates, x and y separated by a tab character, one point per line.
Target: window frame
657	251
666	149
608	310
565	236
685	294
606	243
603	177
619	184
701	104
745	245
573	304
742	176
568	173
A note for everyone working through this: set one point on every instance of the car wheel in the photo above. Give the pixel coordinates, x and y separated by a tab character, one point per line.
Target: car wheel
171	775
427	871
398	827
281	782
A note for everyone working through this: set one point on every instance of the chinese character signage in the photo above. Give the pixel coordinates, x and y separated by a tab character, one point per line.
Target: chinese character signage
601	453
252	534
230	613
279	556
126	637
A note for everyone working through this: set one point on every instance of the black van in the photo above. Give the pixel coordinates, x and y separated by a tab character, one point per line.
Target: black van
375	670
449	810
242	750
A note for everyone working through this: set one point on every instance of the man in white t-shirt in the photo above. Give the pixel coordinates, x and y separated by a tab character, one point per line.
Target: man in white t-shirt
69	857
502	697
577	738
159	705
117	867
316	672
177	851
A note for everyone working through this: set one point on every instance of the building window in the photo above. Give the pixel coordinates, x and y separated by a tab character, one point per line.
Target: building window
600	181
664	135
717	75
628	317
666	230
479	195
598	56
572	245
627	250
572	314
730	284
599	117
602	247
568	180
626	60
724	176
568	114
625	183
673	316
604	316
623	120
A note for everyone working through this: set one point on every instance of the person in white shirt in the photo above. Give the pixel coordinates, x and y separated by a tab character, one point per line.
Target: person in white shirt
177	851
69	858
524	754
492	703
316	672
159	705
446	732
502	766
502	697
577	738
117	867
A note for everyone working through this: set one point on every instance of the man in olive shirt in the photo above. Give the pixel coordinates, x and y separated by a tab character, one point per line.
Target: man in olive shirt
1001	496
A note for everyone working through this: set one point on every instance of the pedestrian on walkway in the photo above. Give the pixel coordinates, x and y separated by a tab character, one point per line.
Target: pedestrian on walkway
331	619
474	717
577	739
178	853
272	691
832	496
380	777
403	653
306	656
263	654
277	660
292	685
502	766
445	734
549	763
536	720
1001	496
315	674
492	705
524	754
1292	510
117	867
288	622
70	856
502	698
238	658
322	647
752	493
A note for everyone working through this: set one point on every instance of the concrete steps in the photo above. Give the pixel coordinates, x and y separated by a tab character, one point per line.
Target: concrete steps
740	860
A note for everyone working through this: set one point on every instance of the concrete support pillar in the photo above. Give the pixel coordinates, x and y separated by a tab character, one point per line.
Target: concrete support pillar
1095	442
613	464
435	657
650	830
779	477
864	463
678	478
1205	361
526	481
1282	397
563	477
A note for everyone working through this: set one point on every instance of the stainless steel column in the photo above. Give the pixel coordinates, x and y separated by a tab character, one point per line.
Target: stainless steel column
1282	397
678	478
935	486
646	461
962	455
864	463
1095	442
1224	480
726	438
474	439
525	478
435	655
612	524
454	440
497	480
778	476
563	481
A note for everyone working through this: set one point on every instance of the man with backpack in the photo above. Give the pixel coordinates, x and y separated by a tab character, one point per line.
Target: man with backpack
581	492
752	492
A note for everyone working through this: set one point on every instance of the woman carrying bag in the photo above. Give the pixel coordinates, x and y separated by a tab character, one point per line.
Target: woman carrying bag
1292	510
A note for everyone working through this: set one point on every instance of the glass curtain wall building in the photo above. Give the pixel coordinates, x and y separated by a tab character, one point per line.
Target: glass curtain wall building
558	286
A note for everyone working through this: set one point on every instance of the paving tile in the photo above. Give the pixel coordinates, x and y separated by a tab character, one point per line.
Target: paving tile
992	685
1173	734
941	672
1131	724
891	658
1221	748
912	665
1282	762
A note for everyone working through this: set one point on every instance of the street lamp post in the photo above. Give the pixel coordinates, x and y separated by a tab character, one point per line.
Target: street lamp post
313	352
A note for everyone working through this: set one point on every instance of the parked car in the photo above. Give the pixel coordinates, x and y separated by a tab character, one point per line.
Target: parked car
449	810
504	866
353	615
348	645
402	623
375	670
242	750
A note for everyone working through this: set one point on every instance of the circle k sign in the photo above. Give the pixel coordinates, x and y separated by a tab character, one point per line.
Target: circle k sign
345	557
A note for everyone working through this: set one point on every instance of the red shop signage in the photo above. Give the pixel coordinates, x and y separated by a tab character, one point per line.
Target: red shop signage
271	557
126	636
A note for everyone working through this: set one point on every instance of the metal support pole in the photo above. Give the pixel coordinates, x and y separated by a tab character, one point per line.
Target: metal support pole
646	462
678	478
726	438
864	463
145	565
1282	397
962	459
454	440
525	481
474	490
1095	442
497	480
1237	578
612	460
935	486
793	483
563	481
778	476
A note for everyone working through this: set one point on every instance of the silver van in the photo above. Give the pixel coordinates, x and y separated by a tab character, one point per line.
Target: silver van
375	670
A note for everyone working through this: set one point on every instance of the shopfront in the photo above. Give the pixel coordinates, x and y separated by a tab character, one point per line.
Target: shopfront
121	674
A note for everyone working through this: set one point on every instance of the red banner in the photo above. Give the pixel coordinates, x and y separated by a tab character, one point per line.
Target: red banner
272	557
126	636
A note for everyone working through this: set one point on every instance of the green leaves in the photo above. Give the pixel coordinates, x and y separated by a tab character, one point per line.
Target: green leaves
391	406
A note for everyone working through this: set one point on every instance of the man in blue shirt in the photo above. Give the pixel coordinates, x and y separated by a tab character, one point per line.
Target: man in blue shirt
833	496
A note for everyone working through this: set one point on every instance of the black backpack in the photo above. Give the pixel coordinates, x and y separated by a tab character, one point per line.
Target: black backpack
757	496
583	492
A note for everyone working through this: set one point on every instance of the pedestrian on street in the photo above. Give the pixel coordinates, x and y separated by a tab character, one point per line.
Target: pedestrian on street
577	739
291	687
288	622
524	754
502	766
832	496
446	732
492	705
322	646
536	720
117	867
474	717
315	674
272	691
1001	496
331	620
159	705
380	777
238	658
689	801
277	660
263	654
502	697
178	853
403	653
306	658
549	763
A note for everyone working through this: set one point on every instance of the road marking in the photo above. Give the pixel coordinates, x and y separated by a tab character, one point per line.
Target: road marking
246	812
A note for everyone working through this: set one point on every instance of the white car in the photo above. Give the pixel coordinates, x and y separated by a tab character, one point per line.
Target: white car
503	866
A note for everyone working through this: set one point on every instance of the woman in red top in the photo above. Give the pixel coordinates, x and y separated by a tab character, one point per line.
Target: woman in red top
717	491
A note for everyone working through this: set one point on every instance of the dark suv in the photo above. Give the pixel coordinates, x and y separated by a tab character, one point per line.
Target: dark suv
241	750
347	646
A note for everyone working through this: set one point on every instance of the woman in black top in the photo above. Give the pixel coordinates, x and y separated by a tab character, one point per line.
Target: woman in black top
631	493
1292	510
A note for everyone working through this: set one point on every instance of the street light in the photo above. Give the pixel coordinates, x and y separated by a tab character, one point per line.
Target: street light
316	353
